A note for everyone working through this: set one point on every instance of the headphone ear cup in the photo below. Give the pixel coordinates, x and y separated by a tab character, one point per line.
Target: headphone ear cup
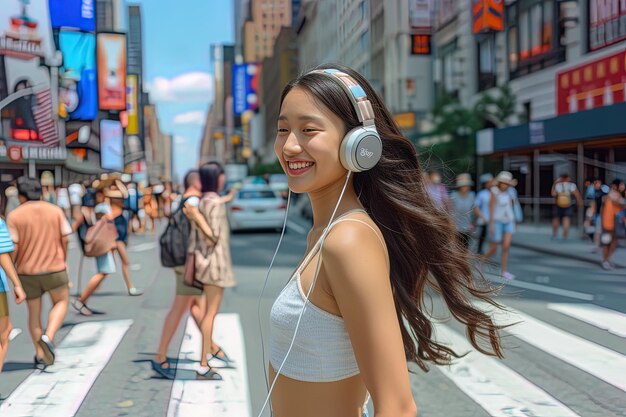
361	149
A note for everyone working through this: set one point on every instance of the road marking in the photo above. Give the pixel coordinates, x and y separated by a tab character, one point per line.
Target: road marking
296	227
612	321
61	389
541	288
229	397
496	388
142	247
601	362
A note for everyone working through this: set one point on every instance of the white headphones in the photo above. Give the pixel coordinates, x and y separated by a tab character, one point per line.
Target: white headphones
361	148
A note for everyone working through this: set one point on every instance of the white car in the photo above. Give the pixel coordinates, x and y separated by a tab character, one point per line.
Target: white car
256	207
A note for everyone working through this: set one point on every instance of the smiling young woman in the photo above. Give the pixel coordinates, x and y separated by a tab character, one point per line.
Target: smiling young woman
337	329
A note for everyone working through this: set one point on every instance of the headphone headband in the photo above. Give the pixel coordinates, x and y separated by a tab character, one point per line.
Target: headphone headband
361	103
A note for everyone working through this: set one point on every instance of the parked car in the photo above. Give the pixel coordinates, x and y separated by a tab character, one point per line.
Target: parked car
256	207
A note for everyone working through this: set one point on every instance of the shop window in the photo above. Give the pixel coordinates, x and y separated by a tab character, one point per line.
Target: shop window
532	26
486	61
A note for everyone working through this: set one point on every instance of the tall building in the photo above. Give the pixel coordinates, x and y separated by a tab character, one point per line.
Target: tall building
219	126
354	35
260	32
565	67
134	62
317	31
111	15
278	70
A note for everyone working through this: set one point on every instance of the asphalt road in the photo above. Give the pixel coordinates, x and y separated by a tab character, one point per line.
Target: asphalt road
567	357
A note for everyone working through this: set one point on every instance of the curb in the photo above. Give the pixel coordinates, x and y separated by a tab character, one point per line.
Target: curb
561	254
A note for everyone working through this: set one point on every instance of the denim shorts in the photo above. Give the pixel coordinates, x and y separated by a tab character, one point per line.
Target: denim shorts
500	229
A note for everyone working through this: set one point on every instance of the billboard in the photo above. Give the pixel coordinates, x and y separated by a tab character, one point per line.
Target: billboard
594	84
111	145
607	23
25	30
245	87
421	45
487	16
79	86
132	104
111	58
77	14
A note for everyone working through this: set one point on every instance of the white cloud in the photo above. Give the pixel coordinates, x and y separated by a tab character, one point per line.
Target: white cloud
188	87
180	140
190	118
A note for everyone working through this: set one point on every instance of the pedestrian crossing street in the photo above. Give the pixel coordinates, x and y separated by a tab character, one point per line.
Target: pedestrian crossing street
488	382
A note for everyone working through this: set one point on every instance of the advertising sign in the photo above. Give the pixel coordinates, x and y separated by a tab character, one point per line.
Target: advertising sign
488	16
31	114
420	45
25	30
111	145
245	87
607	23
132	105
420	14
79	86
595	84
111	58
77	14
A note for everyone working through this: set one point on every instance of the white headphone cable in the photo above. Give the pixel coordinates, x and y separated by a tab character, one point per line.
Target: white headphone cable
306	301
267	276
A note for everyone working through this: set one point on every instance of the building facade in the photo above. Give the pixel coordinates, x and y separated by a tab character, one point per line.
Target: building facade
266	19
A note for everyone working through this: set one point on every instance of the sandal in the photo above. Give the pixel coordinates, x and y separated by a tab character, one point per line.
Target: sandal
160	369
81	308
207	374
39	363
224	359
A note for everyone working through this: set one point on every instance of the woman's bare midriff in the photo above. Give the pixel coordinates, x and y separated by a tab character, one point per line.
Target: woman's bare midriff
292	398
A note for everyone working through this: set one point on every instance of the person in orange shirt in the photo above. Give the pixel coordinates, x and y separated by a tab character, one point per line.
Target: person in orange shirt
40	231
613	203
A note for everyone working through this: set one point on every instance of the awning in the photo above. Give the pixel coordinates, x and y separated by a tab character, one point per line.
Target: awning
595	124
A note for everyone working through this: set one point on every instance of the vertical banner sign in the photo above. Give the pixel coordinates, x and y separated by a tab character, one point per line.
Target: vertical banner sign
420	14
488	16
111	71
132	105
594	84
245	87
420	45
607	23
111	145
76	14
78	96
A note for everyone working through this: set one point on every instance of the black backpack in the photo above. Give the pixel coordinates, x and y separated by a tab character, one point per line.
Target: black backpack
175	239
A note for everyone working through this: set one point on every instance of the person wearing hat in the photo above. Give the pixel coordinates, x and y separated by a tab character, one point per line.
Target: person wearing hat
502	219
481	209
462	204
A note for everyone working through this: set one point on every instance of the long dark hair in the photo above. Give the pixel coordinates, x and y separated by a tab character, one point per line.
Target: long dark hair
421	239
210	175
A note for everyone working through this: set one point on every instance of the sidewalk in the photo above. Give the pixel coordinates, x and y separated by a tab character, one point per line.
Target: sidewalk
537	238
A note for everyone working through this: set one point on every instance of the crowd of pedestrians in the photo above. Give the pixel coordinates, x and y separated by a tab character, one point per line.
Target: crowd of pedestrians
34	235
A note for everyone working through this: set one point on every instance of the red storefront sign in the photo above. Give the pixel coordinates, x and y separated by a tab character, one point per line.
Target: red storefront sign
595	84
488	16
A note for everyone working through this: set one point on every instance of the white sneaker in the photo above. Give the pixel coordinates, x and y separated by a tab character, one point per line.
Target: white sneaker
606	265
14	333
134	291
508	276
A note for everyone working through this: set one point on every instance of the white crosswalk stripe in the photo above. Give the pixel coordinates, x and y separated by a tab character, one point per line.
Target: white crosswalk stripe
612	321
496	388
603	363
61	389
229	397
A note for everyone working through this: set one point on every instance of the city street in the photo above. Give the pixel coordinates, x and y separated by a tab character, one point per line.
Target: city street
565	357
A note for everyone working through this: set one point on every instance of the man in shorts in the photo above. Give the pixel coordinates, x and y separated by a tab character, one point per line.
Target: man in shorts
40	233
7	269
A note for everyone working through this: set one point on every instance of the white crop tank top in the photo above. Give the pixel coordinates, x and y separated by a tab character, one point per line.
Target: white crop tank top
322	350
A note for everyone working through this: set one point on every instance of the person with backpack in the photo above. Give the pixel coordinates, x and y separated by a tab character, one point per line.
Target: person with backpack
174	243
94	209
563	190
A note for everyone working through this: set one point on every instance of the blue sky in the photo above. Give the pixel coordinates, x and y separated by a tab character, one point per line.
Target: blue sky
177	68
